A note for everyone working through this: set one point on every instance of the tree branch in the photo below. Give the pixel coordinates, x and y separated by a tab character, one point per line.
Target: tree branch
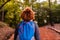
4	4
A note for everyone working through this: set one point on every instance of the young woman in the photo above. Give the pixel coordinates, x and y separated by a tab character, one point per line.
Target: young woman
27	29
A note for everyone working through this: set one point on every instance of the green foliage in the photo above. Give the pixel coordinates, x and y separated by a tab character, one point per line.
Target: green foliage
12	16
42	12
56	14
13	9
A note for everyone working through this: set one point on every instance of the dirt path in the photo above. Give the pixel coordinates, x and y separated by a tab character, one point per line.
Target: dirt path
46	34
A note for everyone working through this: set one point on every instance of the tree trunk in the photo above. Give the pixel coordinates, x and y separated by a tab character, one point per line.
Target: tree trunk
2	14
50	14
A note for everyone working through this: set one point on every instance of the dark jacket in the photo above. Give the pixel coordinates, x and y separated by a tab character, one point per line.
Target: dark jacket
36	35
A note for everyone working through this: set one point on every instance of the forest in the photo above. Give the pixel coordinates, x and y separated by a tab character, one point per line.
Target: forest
45	12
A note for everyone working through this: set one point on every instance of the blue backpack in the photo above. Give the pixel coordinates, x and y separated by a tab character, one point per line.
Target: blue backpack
26	30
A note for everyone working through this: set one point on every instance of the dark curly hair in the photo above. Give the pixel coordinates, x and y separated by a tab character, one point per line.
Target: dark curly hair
28	14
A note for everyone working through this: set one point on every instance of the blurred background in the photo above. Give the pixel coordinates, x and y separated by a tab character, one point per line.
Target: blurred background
47	12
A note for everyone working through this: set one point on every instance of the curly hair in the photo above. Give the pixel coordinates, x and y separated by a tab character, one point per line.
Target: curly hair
28	14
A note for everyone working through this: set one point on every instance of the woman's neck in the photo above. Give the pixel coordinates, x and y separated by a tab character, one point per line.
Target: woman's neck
27	21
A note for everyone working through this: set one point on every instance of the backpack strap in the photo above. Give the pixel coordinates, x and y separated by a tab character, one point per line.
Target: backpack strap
16	31
37	34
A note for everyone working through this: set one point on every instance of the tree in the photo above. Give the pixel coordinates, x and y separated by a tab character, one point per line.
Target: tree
50	13
56	13
12	12
29	3
1	7
4	4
